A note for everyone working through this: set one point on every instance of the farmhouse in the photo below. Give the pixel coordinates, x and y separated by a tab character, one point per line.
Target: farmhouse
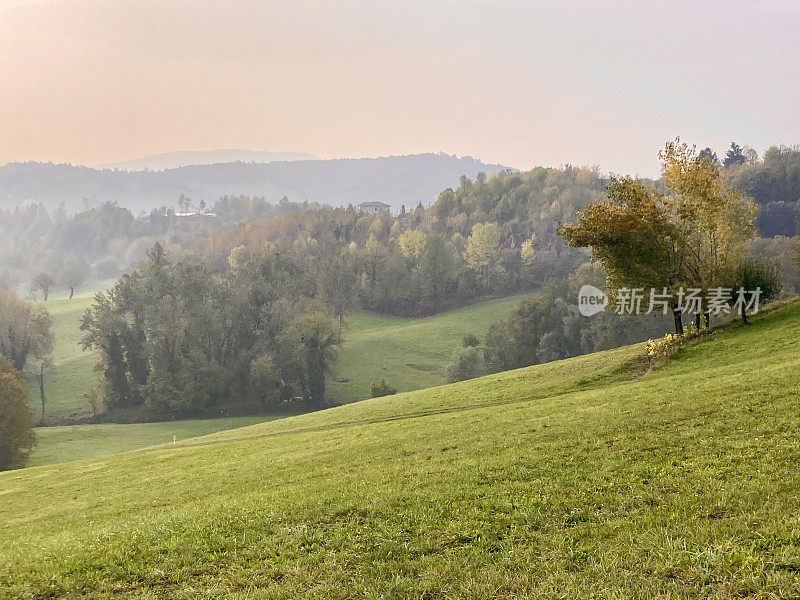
374	207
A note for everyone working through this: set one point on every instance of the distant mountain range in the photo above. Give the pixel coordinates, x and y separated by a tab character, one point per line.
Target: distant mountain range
396	180
183	158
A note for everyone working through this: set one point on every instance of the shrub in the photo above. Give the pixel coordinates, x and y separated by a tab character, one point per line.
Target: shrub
470	340
382	389
663	348
467	362
752	274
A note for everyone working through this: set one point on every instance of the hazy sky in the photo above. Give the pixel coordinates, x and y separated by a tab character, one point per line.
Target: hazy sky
521	83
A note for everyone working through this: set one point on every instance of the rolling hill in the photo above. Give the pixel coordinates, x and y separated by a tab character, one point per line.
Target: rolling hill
184	158
396	180
580	478
409	353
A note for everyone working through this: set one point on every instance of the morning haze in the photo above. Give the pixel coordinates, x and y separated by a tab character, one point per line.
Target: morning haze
516	83
397	299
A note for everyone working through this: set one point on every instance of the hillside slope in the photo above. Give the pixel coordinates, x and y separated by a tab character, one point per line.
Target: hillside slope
73	442
73	372
573	479
410	353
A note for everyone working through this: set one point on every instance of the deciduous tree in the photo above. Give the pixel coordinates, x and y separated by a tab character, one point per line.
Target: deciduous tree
74	273
436	266
42	283
38	371
315	337
411	242
693	237
526	252
483	252
631	234
714	221
25	329
16	418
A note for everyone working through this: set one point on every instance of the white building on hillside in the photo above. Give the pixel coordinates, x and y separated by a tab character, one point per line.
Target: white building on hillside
374	207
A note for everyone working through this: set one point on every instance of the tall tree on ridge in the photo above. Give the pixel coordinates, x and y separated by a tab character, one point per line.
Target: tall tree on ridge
735	156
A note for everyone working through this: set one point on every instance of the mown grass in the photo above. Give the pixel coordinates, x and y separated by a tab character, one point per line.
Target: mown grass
575	479
74	442
409	353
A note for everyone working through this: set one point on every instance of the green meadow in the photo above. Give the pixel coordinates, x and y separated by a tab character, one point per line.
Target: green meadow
73	368
409	353
582	478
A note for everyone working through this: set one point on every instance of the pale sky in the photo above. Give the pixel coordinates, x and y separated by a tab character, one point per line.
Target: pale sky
520	83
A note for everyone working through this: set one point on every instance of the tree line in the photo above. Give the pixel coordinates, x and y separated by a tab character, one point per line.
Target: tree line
175	339
692	230
55	250
548	326
486	238
773	181
48	251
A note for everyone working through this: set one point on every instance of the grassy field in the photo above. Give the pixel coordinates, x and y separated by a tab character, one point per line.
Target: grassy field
73	373
74	442
410	353
575	479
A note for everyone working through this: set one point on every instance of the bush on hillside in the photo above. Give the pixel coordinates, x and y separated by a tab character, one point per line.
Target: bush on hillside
467	362
470	340
382	389
752	274
662	348
659	350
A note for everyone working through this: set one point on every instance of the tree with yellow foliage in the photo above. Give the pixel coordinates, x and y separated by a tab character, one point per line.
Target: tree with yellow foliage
713	221
482	253
694	236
